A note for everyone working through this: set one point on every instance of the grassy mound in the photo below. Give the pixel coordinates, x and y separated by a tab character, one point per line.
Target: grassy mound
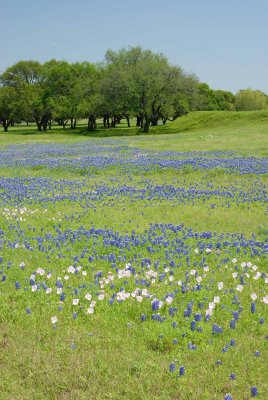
211	119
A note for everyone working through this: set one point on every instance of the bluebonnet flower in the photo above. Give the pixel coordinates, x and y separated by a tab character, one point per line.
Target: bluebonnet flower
62	296
201	305
155	305
17	285
192	346
182	370
253	308
232	376
216	329
198	317
172	367
232	324
28	310
228	397
254	391
193	325
236	315
187	313
261	321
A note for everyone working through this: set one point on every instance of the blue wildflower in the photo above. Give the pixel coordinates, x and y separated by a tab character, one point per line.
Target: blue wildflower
17	285
182	371
254	391
74	315
172	367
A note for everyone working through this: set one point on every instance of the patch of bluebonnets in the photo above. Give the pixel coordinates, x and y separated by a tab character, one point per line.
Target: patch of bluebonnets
21	191
86	155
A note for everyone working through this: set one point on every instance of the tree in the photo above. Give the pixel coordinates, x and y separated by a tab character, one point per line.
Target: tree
250	100
225	100
205	99
7	106
68	85
28	80
150	87
114	94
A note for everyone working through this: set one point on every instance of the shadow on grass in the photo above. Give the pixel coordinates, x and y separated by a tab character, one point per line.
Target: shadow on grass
98	133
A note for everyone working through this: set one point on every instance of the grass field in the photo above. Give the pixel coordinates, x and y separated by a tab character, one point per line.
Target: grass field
135	266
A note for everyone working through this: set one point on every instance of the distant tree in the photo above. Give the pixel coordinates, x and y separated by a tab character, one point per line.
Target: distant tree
27	78
184	100
114	98
205	99
23	72
67	86
250	100
7	106
225	100
148	86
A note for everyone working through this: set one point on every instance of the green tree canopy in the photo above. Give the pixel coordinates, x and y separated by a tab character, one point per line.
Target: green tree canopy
250	100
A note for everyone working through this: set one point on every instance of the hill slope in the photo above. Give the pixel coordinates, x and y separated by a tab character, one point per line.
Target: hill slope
211	119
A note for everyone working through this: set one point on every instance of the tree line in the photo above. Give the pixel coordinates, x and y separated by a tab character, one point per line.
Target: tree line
130	83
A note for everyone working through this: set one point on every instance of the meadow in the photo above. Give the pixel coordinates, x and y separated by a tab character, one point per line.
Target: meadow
135	266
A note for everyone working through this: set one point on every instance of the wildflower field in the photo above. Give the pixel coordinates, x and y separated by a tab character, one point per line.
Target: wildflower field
134	267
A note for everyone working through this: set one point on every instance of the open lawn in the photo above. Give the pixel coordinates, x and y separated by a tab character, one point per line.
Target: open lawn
135	266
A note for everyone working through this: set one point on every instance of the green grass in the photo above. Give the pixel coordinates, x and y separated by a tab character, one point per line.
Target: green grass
111	354
246	132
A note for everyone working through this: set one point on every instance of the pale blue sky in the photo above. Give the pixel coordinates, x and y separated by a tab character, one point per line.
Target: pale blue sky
224	43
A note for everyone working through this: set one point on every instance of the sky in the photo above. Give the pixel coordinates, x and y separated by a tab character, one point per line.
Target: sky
223	42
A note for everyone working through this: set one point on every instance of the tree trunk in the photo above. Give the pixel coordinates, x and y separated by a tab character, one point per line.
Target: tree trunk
5	124
146	125
39	126
73	123
91	125
128	122
154	121
138	123
142	122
